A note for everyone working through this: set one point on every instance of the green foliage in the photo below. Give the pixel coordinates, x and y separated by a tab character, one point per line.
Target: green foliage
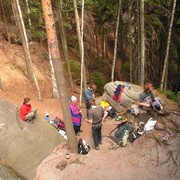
178	98
99	79
37	20
169	94
75	69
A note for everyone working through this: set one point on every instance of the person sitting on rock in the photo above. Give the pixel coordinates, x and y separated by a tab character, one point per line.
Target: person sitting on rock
26	111
148	100
75	115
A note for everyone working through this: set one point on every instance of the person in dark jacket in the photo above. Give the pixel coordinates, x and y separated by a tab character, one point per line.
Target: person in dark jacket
89	94
26	111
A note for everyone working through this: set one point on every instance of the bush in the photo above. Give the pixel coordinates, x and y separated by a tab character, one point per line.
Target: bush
75	69
178	99
169	94
99	79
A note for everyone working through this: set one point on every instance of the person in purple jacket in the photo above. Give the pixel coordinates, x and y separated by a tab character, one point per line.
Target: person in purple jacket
75	115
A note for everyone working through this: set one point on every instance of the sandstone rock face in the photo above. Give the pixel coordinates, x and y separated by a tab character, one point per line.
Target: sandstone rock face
23	146
129	96
7	173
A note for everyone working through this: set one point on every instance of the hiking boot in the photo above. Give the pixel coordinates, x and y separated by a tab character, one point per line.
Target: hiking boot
96	148
80	130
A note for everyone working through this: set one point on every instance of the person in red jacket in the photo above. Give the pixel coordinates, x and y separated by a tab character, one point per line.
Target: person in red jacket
26	111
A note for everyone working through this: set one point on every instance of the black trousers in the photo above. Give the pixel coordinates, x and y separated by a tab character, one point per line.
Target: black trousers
77	129
97	136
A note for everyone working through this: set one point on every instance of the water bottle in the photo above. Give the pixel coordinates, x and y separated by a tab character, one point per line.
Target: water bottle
124	139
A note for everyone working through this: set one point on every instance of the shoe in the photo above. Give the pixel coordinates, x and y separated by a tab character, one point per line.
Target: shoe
96	148
80	130
30	122
100	142
77	134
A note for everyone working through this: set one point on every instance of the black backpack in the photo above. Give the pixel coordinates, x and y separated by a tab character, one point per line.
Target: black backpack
83	147
112	113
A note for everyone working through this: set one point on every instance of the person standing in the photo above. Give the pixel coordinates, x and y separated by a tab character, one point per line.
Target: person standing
75	115
95	117
89	94
26	111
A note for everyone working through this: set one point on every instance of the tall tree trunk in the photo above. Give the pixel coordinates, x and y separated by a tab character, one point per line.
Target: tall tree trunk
28	12
81	46
58	68
138	44
53	78
142	77
167	48
24	39
97	44
115	42
5	22
64	43
130	41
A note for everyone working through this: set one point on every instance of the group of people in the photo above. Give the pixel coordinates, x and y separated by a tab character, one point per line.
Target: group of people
95	114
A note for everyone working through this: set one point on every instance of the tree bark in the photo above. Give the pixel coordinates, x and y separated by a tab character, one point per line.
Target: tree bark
142	43
115	42
162	85
58	68
5	22
24	39
64	43
53	78
81	47
28	12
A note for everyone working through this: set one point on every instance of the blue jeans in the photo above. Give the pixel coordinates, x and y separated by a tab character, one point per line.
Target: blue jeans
157	103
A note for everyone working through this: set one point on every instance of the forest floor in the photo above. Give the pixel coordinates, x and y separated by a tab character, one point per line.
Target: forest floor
138	160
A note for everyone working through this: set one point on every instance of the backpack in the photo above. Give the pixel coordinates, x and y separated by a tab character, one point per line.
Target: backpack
112	113
58	123
83	147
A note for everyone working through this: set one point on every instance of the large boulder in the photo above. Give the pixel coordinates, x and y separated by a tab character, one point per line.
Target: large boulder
7	173
129	96
23	146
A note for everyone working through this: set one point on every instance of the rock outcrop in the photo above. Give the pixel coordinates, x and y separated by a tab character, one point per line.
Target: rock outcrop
129	96
23	146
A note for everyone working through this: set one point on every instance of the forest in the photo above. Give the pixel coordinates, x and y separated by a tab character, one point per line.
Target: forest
129	40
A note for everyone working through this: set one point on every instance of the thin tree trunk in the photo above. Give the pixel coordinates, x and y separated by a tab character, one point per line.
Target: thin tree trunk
130	42
81	46
115	42
64	43
138	44
53	78
58	68
167	48
97	45
142	43
28	12
5	22
21	26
